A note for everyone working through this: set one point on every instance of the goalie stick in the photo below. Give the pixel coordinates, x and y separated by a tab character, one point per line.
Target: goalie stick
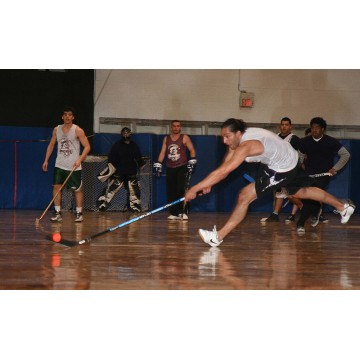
71	243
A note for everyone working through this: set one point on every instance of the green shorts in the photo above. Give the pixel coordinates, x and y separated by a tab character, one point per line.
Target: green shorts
74	183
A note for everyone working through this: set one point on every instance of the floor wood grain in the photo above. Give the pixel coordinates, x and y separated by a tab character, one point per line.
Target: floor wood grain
155	253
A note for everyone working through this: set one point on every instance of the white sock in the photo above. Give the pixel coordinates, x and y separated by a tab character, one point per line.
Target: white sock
78	209
57	208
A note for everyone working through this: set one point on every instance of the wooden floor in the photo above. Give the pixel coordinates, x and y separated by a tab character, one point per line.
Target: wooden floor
155	253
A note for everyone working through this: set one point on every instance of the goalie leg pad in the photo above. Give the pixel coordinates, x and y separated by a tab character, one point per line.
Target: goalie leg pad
113	187
107	172
134	194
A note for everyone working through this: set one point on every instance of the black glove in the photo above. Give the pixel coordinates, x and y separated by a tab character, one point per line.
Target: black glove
191	164
158	168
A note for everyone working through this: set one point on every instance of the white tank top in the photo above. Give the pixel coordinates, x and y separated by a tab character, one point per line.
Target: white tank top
68	149
278	154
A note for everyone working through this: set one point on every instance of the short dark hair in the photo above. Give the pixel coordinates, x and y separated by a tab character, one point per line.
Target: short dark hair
318	121
286	119
234	125
125	129
69	108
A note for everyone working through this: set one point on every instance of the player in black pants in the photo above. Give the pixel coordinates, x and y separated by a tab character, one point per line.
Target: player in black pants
319	150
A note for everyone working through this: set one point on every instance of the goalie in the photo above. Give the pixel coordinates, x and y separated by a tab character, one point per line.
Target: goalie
124	161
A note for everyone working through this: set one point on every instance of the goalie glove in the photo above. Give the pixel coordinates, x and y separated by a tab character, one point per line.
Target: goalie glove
158	168
191	164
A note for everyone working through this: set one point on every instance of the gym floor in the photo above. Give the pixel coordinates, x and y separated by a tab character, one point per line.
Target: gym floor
155	253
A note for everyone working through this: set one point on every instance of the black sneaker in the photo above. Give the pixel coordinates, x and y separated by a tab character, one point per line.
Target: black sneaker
323	219
79	217
57	216
289	219
272	218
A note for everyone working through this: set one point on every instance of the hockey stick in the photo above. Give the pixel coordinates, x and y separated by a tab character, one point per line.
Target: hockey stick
57	193
71	243
321	175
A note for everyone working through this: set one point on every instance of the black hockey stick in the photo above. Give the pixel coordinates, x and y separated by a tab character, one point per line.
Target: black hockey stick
71	243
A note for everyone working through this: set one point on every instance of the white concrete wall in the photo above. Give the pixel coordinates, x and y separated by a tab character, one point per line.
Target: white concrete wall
213	95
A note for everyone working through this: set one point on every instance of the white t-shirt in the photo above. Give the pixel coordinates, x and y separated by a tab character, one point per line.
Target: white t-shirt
68	150
278	154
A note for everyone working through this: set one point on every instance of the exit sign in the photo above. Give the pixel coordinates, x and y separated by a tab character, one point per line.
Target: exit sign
246	99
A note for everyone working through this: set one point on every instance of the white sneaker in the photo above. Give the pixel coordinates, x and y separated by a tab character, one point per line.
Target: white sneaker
79	217
349	209
300	230
57	216
210	237
173	217
183	216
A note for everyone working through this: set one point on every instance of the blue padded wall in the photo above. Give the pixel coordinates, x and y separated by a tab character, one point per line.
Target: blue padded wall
21	155
34	188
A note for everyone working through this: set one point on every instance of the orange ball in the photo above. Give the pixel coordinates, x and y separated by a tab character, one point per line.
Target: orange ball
56	237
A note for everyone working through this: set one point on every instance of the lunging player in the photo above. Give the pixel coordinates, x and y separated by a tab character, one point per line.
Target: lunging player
282	170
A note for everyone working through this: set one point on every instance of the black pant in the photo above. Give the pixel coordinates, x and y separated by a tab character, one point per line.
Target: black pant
312	207
175	187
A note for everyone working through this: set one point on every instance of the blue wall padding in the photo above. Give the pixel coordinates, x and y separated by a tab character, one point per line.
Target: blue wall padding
34	185
103	142
25	133
7	175
34	188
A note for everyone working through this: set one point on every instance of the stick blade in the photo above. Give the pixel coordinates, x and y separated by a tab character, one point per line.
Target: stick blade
64	242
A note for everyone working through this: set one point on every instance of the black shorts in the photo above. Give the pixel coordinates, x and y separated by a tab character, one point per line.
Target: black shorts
292	181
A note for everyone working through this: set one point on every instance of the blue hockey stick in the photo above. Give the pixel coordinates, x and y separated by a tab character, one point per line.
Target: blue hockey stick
71	243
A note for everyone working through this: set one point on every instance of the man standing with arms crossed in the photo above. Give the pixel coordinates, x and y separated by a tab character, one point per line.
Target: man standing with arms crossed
68	138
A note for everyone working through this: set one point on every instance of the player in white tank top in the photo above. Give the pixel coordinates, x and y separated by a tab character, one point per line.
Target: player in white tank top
68	149
278	154
68	138
259	145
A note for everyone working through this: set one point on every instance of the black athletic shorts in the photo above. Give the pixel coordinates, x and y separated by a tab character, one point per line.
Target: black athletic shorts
292	181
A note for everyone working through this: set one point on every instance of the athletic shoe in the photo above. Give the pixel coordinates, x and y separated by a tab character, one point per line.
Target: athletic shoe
272	218
300	230
323	219
314	221
57	216
349	209
183	216
173	217
210	237
289	219
79	217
